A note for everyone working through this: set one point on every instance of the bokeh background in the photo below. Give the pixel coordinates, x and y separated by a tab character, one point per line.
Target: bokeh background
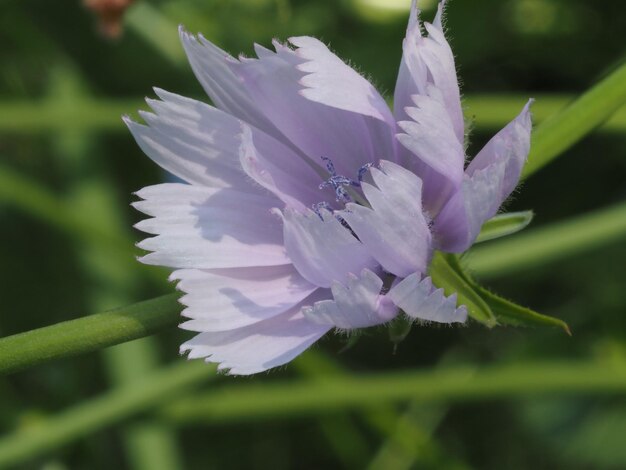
68	168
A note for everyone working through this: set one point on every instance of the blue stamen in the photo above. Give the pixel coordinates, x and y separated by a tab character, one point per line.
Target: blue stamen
337	182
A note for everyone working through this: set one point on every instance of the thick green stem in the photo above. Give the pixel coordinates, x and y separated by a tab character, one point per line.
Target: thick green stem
88	334
589	111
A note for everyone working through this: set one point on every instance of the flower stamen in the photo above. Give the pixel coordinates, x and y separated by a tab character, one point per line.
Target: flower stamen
339	182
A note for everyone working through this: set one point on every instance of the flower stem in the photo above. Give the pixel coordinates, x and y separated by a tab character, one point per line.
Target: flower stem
88	334
123	402
452	384
546	244
590	110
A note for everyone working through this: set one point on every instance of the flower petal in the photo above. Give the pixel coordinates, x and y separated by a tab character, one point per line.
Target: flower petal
428	60
321	248
489	180
279	170
511	144
203	146
258	347
458	224
191	140
356	305
348	138
210	65
420	300
394	230
208	228
331	82
224	299
437	156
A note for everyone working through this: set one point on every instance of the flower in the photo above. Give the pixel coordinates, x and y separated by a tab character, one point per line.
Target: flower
307	204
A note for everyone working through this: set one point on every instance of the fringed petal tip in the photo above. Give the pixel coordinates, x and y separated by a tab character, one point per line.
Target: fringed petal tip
420	300
330	81
355	304
256	348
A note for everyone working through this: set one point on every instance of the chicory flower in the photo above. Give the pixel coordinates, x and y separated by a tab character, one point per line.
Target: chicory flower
308	205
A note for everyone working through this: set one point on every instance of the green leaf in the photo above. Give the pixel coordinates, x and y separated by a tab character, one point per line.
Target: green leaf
451	281
504	310
504	224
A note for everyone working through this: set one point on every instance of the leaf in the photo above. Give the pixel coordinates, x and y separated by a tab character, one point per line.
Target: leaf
504	310
452	281
504	224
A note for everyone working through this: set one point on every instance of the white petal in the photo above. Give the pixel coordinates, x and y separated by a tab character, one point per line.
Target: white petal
191	140
211	66
257	347
208	228
350	139
321	248
394	230
204	146
279	170
428	60
419	299
430	136
459	223
331	82
490	178
511	144
432	146
358	304
224	299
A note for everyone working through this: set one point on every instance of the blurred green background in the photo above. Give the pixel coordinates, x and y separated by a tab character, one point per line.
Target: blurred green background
68	167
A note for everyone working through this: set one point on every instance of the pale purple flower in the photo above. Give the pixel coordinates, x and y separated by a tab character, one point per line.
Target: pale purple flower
309	205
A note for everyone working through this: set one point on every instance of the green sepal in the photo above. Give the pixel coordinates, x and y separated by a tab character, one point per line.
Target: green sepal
504	224
507	312
513	314
447	277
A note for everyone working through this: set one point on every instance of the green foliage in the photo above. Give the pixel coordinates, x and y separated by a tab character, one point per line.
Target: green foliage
452	281
504	224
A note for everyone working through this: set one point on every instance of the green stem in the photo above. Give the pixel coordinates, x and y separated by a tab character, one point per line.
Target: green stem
141	395
311	397
589	111
550	243
491	112
88	334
